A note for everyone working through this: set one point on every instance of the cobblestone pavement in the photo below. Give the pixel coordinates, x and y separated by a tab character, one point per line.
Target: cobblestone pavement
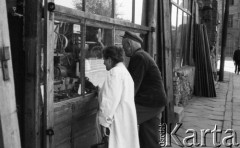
206	115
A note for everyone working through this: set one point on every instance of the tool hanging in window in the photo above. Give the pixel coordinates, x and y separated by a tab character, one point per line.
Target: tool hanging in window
62	41
14	12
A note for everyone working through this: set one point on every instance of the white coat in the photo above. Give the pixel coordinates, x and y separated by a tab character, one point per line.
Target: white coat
117	108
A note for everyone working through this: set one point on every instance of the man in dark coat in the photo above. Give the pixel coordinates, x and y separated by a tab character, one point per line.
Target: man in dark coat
150	96
236	59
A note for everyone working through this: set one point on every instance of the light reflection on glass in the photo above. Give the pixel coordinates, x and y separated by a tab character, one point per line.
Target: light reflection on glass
180	3
174	29
100	7
185	4
95	70
178	40
74	4
174	17
138	11
185	18
124	10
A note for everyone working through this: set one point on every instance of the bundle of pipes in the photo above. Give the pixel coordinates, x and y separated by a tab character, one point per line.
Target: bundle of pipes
204	81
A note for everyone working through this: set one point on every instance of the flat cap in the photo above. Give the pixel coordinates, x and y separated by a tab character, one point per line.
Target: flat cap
132	36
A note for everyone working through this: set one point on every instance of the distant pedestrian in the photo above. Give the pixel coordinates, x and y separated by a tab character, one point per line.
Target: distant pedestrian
117	108
236	59
150	96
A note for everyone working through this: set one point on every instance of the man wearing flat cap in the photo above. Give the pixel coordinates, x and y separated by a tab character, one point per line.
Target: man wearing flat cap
150	96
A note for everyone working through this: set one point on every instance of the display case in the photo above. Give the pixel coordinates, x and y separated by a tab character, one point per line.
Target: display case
75	70
75	106
78	73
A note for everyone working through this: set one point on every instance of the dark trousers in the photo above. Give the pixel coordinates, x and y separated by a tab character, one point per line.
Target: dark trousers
149	120
237	67
149	133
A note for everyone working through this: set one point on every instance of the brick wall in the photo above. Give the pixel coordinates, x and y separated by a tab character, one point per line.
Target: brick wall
183	85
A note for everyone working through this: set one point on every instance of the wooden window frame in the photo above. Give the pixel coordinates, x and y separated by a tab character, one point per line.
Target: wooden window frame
65	13
86	101
180	8
62	13
114	8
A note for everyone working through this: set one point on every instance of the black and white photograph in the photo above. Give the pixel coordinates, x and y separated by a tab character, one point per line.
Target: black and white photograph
119	73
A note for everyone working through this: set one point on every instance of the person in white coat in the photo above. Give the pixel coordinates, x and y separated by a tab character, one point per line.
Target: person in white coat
117	110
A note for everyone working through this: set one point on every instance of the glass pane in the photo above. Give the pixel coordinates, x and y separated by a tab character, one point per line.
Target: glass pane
184	18
180	3
185	28
174	18
188	39
174	29
175	1
185	4
95	70
178	40
118	38
138	11
100	7
67	51
124	10
74	4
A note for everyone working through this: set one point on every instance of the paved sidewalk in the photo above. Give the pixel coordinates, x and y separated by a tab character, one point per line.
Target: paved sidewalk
212	114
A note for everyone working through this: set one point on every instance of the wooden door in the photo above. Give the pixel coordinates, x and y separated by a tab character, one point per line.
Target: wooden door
9	128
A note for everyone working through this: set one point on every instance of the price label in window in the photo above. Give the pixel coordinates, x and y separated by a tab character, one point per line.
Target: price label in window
76	28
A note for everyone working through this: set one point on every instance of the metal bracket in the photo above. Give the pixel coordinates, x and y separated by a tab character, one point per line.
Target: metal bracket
4	54
50	132
51	6
153	29
4	57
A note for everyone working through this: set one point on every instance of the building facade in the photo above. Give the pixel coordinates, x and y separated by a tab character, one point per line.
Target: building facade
233	34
